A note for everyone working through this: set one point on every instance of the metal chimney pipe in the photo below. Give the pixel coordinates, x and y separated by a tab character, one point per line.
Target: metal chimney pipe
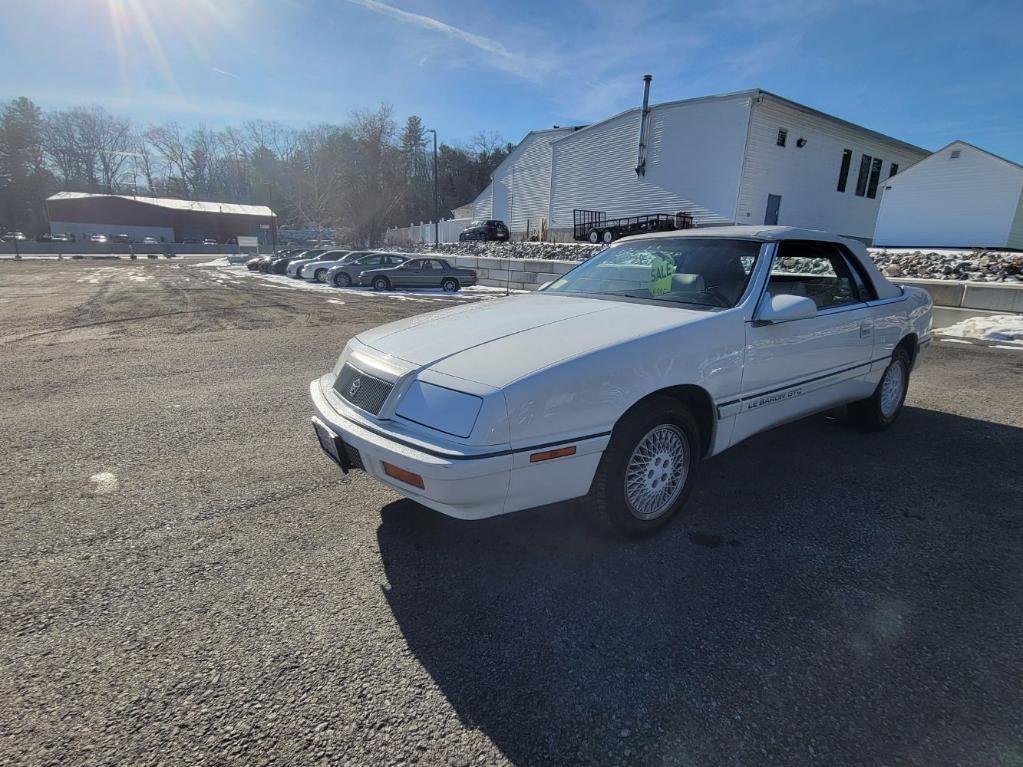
641	160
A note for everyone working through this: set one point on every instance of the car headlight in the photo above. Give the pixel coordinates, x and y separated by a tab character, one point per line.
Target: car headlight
345	354
446	410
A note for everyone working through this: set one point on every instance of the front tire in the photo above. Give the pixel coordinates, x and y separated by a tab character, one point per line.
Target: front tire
343	280
594	237
381	283
450	285
881	409
648	469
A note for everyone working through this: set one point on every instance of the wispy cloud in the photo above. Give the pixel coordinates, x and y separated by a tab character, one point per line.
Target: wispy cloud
224	72
529	67
427	22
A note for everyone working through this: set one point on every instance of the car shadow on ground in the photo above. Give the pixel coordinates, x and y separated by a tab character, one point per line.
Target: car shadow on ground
829	597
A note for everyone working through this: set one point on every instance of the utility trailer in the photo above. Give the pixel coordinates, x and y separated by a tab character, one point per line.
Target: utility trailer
594	225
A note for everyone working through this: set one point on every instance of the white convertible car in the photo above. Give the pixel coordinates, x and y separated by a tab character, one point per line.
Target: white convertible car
615	381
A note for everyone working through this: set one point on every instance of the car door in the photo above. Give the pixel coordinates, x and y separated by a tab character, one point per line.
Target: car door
365	263
431	274
798	367
407	275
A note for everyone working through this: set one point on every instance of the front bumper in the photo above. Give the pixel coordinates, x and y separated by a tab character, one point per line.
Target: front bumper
460	484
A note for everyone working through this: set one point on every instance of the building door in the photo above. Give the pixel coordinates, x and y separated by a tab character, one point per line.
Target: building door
773	206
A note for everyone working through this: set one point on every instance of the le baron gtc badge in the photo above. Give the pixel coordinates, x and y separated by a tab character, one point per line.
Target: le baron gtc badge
353	389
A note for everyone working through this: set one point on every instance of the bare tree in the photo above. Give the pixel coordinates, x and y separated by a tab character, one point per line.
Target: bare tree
171	148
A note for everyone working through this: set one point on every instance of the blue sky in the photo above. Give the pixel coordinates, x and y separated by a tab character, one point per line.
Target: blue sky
925	72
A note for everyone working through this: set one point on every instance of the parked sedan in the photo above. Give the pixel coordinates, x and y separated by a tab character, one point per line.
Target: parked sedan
295	267
317	272
347	272
485	230
419	273
618	379
280	265
14	237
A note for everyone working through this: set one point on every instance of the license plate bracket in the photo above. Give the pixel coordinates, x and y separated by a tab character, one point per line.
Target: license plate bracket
332	445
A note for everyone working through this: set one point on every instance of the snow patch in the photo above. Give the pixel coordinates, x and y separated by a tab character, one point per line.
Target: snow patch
103	483
1007	328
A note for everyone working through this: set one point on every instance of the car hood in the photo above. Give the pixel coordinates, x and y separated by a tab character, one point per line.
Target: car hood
499	341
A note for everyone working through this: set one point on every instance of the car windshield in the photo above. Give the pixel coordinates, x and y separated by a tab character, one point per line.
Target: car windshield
703	272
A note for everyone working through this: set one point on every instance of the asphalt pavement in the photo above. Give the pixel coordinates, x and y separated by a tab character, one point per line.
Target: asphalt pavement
185	579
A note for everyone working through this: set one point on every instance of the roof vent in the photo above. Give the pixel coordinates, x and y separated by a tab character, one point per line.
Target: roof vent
955	154
641	161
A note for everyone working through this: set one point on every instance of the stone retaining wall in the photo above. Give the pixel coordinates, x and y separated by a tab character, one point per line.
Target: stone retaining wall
515	273
1006	298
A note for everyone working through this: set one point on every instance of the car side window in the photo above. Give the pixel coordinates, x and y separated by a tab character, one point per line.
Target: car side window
864	286
816	270
371	260
413	264
429	266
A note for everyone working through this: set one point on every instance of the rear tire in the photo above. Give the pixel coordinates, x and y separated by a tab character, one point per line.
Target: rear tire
319	275
381	283
343	280
607	237
881	409
649	467
450	285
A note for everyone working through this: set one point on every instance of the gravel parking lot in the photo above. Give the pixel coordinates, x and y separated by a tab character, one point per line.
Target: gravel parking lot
186	579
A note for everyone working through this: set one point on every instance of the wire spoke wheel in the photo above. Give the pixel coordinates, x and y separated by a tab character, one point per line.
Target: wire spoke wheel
891	388
657	471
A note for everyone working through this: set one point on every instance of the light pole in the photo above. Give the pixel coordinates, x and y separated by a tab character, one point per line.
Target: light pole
436	224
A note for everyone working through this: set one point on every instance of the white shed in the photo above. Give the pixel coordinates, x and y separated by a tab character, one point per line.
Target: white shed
746	158
959	197
522	182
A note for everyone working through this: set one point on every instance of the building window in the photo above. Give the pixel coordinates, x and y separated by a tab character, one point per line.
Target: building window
843	174
783	136
893	170
875	176
861	180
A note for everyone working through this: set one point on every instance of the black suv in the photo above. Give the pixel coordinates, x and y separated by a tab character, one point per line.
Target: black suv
485	230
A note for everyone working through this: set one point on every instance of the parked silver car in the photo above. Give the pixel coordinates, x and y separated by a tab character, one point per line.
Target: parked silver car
295	267
346	273
419	273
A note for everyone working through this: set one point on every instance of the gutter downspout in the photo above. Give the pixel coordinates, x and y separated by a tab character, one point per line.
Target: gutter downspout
641	159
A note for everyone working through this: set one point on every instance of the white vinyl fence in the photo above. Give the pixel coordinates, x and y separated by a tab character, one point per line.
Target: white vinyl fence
447	231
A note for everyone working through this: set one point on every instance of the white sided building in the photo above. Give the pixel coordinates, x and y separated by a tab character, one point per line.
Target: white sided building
742	158
520	191
959	197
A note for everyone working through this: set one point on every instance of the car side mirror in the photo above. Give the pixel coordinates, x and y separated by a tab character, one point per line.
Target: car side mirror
785	308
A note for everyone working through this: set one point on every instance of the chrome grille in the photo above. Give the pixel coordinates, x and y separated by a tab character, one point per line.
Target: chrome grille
361	389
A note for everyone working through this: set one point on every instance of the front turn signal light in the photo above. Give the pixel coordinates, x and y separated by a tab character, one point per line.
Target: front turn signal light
402	475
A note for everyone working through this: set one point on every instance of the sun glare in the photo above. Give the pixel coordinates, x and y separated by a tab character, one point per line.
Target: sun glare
141	27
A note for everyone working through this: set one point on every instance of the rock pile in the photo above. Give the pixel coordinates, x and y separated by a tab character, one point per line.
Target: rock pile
974	265
561	251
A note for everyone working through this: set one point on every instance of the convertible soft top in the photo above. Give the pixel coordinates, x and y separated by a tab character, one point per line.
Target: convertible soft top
884	288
